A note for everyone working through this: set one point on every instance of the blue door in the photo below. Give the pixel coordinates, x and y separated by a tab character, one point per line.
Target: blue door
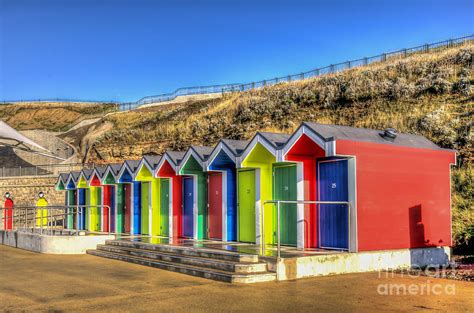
137	208
188	201
112	209
333	218
81	211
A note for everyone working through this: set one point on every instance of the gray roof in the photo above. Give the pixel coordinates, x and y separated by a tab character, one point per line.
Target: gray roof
100	170
64	176
115	168
75	175
277	140
202	151
335	132
176	156
152	160
236	146
87	173
133	164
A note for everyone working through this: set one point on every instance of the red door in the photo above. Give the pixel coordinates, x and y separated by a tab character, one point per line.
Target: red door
8	218
105	210
215	205
127	207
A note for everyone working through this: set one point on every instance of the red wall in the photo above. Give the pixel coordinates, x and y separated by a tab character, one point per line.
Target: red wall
167	171
403	195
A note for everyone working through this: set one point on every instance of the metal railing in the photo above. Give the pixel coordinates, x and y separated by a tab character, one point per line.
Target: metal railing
42	170
33	218
238	87
278	206
330	69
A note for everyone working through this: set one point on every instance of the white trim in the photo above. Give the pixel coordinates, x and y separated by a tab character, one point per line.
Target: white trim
67	182
191	152
101	210
150	208
215	152
132	207
258	209
139	168
302	130
258	138
170	206
195	207
164	158
224	206
108	171
300	208
122	169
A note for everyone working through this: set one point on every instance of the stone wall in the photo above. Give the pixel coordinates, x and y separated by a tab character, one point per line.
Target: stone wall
25	189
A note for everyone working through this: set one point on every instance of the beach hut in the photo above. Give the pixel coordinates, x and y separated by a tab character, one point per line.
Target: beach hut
117	220
107	197
69	199
397	185
150	197
192	168
78	219
171	222
255	186
132	194
222	189
93	196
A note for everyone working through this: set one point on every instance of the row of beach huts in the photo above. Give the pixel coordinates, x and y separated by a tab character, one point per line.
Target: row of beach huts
354	189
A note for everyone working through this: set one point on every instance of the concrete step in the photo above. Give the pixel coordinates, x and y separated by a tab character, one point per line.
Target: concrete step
188	251
224	265
189	269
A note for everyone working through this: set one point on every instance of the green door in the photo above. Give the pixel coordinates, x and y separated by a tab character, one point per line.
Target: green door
284	188
120	226
246	205
71	201
145	202
164	206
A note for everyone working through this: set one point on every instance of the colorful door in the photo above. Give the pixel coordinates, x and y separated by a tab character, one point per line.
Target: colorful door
215	205
285	189
137	208
164	206
120	207
106	210
81	200
188	205
71	201
333	218
246	206
127	189
145	205
112	221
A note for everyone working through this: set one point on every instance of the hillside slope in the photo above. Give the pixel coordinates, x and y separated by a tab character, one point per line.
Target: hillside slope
427	94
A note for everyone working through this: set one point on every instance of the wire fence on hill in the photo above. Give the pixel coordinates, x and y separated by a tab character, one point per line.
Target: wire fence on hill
330	69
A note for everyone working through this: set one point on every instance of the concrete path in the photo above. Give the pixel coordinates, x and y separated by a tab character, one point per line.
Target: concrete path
31	281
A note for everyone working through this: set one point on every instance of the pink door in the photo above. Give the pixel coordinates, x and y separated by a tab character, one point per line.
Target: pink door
215	205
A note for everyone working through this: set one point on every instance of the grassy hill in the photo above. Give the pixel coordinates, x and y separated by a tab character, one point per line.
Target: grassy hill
51	116
427	93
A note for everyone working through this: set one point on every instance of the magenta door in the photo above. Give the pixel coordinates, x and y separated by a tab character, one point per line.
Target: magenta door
215	205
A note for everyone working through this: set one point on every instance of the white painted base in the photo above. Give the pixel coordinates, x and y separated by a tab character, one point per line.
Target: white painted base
52	244
343	263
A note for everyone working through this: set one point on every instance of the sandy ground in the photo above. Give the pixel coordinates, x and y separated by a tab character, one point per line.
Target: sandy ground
31	281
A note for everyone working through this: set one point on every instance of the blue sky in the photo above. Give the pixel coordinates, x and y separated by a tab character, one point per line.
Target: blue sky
124	50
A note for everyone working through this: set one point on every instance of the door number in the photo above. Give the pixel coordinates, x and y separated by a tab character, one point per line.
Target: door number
333	185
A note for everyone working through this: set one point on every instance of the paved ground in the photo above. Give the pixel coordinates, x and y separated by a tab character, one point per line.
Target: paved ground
31	281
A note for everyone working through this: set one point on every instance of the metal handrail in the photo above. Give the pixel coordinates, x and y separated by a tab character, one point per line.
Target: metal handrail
278	202
50	217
